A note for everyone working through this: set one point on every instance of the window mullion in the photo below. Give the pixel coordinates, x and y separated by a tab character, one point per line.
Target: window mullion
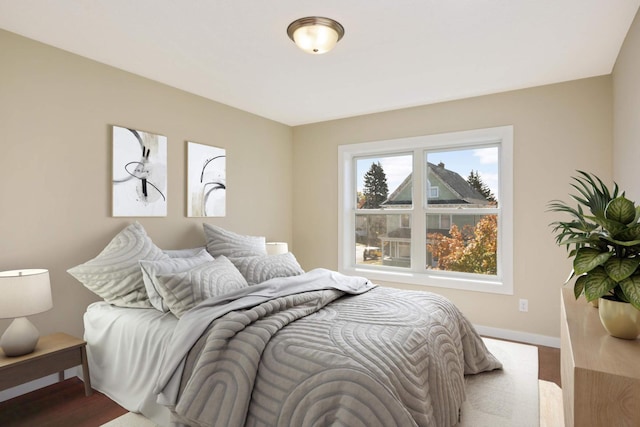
418	222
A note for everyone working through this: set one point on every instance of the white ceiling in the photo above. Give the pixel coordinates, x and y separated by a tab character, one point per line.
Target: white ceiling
395	53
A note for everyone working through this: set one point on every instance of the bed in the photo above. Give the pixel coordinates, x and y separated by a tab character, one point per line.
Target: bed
287	348
124	347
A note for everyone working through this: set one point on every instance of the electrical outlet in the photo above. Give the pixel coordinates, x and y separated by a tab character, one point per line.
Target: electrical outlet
524	305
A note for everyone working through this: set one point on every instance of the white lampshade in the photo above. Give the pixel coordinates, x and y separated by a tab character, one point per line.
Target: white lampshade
315	34
275	248
23	293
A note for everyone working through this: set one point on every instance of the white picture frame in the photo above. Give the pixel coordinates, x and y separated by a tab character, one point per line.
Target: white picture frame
139	173
206	180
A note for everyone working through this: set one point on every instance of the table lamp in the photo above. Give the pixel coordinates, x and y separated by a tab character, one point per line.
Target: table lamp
276	248
22	293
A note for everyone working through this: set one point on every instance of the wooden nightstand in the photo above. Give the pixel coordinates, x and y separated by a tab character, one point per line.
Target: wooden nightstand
53	353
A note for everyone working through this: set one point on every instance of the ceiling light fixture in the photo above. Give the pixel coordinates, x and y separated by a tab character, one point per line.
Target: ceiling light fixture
315	34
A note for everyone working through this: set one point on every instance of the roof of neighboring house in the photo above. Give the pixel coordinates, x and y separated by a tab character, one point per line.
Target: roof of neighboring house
459	186
405	233
398	233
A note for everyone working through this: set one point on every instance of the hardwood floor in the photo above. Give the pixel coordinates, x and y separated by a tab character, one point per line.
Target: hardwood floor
549	364
65	405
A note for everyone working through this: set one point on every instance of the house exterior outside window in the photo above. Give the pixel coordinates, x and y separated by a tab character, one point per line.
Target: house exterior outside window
435	227
457	194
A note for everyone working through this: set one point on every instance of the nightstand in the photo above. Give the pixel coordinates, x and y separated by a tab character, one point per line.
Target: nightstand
53	353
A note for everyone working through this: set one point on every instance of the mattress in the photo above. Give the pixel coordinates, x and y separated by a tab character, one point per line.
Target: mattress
128	375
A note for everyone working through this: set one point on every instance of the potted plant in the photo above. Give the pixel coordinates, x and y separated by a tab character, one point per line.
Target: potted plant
603	237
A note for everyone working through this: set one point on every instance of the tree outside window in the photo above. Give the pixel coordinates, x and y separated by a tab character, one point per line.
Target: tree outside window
375	187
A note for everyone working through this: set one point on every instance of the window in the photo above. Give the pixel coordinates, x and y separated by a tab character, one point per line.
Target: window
434	210
433	191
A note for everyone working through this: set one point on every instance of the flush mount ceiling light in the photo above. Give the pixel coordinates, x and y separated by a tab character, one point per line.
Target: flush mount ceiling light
315	34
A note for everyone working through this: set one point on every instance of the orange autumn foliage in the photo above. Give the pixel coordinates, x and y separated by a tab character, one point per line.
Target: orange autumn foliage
470	249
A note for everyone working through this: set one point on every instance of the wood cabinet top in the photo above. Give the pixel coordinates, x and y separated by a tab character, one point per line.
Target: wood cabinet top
592	346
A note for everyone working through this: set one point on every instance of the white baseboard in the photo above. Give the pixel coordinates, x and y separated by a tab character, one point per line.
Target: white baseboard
524	337
21	389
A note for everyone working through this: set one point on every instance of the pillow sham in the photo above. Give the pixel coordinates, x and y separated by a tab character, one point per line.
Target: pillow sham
258	269
183	291
115	273
183	253
230	244
150	269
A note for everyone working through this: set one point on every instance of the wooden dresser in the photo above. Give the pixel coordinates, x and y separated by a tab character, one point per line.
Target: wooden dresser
600	374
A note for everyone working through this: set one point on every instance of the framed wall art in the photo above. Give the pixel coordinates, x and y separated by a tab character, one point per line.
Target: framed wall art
206	180
139	173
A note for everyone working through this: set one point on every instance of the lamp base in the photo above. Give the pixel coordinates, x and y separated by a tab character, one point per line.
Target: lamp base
20	337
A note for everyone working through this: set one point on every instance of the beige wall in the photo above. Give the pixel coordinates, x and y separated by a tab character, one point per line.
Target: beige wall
56	112
626	103
557	129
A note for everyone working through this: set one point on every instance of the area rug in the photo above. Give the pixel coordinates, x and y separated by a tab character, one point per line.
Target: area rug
130	420
511	397
507	397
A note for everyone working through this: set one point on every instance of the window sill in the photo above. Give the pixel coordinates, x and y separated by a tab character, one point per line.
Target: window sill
475	284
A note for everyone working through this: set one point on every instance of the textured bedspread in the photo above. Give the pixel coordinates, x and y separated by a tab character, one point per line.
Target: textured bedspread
343	354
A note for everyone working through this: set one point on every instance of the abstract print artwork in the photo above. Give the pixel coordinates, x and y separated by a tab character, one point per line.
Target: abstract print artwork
206	180
139	173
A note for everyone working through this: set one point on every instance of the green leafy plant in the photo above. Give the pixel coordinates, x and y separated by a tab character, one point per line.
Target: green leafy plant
603	237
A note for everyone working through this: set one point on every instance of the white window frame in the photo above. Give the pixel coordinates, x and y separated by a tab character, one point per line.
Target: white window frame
501	283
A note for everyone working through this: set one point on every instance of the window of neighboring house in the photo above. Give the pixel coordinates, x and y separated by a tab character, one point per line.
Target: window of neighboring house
434	210
433	192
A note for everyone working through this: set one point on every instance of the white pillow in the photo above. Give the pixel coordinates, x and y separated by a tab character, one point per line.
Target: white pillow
151	269
183	253
115	273
183	291
230	244
258	269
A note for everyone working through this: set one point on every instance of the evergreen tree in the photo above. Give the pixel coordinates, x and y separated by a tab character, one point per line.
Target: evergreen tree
476	182
375	186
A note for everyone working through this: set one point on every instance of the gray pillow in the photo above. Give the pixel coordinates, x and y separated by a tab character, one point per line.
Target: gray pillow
183	253
230	244
115	274
258	269
151	269
183	291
